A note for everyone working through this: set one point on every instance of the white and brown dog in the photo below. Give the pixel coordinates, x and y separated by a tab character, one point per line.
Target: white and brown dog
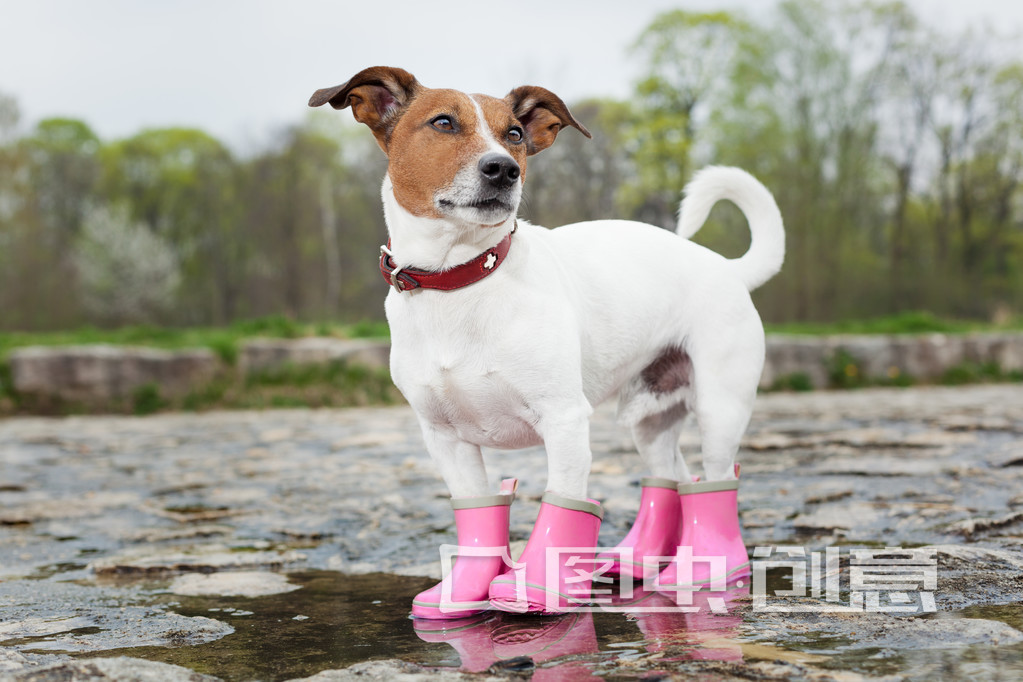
506	334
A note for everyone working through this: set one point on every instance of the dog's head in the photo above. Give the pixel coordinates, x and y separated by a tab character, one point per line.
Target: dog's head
452	155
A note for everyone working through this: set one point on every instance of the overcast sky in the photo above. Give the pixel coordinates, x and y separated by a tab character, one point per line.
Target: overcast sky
240	69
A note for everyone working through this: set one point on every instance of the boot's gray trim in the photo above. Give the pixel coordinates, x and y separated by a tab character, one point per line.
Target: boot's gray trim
708	487
482	501
655	482
576	505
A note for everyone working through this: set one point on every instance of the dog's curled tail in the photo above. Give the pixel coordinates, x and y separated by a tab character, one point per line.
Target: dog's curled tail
767	248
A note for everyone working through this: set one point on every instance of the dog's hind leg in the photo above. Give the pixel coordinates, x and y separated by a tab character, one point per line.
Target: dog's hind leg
656	438
657	528
725	391
655	404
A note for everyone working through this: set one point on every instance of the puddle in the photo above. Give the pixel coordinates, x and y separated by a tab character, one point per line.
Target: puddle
338	620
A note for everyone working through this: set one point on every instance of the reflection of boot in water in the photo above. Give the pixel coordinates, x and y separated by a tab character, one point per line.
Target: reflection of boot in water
546	638
712	630
470	637
705	624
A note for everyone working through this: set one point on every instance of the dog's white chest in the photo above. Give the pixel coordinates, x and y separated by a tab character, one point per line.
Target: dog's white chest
481	405
456	381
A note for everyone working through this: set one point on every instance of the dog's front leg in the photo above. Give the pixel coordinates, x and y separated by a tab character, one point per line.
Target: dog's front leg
460	463
552	575
481	525
566	436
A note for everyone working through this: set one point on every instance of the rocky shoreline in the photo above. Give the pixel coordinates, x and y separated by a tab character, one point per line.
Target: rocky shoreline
164	537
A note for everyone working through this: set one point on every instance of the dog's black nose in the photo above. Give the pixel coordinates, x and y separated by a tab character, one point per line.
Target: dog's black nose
500	170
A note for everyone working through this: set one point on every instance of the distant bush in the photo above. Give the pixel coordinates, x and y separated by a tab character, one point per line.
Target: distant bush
125	270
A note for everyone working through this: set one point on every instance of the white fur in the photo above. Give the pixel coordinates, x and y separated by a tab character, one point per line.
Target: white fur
571	319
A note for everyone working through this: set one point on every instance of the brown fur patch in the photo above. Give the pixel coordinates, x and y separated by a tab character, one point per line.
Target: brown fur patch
671	371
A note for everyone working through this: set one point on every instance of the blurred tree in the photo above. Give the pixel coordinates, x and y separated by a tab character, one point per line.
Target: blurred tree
895	152
18	220
804	117
65	170
314	205
126	272
687	59
576	179
183	184
911	80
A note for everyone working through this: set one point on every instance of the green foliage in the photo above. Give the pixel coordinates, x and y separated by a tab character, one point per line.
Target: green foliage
844	371
797	381
279	326
225	342
912	322
688	56
972	373
893	147
335	384
369	329
8	398
147	400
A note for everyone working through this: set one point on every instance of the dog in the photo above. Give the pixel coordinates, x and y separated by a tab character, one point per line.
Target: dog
506	334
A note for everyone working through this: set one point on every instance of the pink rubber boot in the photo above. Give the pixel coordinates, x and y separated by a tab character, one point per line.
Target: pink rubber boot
655	532
566	532
481	524
711	552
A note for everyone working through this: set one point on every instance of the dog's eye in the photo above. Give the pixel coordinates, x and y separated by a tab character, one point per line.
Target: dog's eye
443	123
515	135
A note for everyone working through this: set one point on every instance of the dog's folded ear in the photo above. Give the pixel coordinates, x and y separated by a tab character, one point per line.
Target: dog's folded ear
376	95
542	114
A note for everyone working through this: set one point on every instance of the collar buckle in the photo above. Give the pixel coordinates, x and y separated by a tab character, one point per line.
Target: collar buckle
400	285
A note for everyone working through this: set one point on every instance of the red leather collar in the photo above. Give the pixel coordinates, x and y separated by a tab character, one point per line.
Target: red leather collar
406	279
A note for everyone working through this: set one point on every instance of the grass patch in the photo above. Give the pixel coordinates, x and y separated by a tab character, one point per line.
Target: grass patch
224	341
973	373
335	384
8	398
147	400
797	381
307	386
903	323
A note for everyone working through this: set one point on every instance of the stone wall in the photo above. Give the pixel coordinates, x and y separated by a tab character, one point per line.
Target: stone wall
103	375
925	358
262	355
100	374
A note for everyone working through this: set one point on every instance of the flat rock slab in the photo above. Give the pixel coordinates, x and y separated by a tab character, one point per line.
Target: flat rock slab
102	669
232	584
67	617
200	559
177	530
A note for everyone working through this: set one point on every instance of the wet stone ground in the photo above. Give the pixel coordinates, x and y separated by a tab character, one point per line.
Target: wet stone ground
288	544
